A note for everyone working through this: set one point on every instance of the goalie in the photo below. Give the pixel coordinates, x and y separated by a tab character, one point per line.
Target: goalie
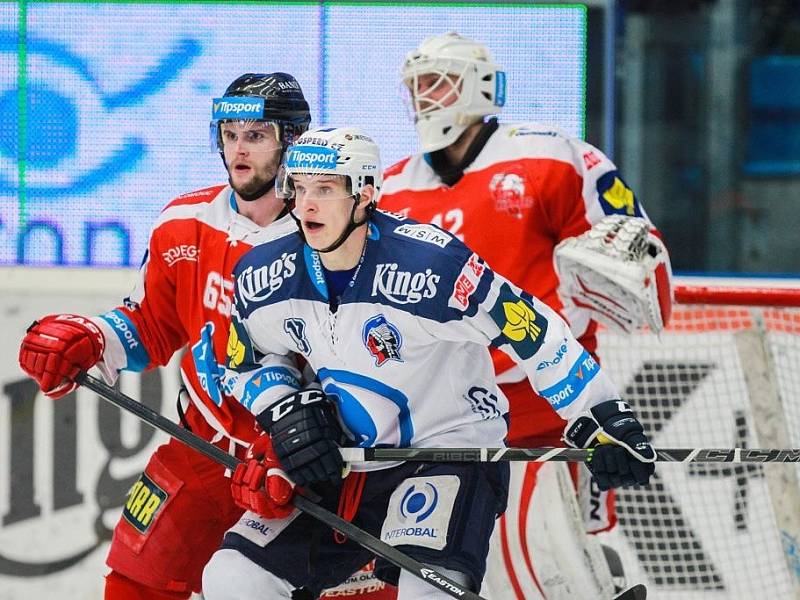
552	214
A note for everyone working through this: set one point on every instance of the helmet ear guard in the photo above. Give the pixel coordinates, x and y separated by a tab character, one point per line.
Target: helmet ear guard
476	81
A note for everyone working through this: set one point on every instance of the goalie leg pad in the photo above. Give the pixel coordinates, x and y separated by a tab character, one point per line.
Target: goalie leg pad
541	549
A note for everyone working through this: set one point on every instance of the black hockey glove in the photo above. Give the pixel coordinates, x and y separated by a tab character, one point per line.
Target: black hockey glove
622	455
305	436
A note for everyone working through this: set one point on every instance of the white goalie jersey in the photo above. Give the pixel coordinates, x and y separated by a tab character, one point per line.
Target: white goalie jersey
404	354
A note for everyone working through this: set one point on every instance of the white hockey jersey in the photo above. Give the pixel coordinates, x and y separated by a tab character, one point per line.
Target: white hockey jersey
405	355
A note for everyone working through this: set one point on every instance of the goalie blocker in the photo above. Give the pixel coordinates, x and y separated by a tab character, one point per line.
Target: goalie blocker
619	270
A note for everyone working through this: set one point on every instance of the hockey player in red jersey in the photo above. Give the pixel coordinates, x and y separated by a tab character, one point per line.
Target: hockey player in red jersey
552	214
183	299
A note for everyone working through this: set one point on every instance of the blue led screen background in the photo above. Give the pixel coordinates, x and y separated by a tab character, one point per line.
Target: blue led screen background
110	102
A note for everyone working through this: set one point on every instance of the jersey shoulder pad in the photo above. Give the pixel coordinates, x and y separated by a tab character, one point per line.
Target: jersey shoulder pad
396	168
414	269
203	196
413	234
410	174
521	131
397	216
423	244
177	222
535	141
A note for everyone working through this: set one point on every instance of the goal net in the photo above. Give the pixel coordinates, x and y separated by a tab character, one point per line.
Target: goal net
725	373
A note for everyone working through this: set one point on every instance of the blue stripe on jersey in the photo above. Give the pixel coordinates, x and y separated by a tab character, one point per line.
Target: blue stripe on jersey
315	270
137	356
565	391
355	416
373	233
265	378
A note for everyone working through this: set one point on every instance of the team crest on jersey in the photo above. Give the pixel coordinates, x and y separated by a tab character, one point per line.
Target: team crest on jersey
616	197
144	501
520	324
296	328
508	191
382	339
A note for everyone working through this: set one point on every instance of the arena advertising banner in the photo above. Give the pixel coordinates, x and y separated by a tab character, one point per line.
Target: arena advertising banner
100	131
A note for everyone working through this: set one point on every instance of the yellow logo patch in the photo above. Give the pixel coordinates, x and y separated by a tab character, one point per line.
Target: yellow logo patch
520	321
236	349
619	196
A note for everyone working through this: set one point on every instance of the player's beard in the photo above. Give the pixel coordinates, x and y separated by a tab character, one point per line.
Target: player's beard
259	184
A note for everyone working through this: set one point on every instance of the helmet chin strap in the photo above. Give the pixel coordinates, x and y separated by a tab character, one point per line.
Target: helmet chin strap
351	226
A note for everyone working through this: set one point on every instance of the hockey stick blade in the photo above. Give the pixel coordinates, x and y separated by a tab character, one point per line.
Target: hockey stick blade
637	592
679	455
323	515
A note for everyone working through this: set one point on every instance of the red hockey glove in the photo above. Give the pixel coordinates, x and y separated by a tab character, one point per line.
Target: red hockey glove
56	348
248	484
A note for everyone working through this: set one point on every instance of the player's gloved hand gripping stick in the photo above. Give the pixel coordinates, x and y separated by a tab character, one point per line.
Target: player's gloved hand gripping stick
330	519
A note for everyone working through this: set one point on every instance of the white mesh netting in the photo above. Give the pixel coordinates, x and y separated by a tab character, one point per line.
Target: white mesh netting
707	530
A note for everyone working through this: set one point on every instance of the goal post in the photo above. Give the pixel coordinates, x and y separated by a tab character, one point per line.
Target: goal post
725	372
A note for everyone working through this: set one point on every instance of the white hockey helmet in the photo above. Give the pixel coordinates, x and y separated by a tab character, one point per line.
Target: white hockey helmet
478	86
345	151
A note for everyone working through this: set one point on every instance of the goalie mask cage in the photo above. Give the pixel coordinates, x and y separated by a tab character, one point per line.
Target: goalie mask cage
725	373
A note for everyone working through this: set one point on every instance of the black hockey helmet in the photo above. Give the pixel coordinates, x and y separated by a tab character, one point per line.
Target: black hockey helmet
281	102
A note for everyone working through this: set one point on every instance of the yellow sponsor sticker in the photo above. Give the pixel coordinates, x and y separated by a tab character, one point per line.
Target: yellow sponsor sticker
620	197
144	501
520	321
236	348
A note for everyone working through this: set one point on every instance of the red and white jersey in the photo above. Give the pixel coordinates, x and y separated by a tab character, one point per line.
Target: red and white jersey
183	298
530	187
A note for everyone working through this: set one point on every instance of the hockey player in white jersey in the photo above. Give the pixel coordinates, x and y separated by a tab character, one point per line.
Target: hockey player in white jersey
396	319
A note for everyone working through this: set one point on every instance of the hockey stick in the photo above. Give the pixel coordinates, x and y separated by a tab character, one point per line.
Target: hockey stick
637	592
681	455
323	515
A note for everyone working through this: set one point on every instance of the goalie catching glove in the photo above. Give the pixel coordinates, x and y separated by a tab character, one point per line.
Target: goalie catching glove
619	270
622	454
306	437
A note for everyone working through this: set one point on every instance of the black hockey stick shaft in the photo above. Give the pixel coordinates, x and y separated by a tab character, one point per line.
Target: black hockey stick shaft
323	515
637	592
680	455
